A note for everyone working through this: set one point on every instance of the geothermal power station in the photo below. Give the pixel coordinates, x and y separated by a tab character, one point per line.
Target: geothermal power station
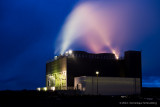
95	74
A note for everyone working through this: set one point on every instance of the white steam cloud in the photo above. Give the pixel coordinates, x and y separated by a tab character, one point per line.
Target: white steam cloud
100	26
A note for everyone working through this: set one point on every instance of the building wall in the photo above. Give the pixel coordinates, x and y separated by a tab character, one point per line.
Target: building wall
86	66
108	85
81	63
133	63
56	74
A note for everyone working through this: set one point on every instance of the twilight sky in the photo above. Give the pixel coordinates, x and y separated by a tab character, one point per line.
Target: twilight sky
29	36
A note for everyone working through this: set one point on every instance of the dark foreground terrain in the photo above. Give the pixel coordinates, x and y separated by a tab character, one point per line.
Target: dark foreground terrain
149	97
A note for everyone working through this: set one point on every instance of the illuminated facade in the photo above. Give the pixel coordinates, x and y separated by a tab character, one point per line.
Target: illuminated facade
60	72
56	74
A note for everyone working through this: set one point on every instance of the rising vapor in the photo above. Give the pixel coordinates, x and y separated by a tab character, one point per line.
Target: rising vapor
101	26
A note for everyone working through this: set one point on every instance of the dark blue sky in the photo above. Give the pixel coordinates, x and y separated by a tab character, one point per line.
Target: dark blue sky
28	32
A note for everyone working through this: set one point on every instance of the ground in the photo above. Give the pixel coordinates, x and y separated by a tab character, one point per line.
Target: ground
149	97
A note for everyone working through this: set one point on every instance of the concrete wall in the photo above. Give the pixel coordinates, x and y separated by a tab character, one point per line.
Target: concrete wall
108	85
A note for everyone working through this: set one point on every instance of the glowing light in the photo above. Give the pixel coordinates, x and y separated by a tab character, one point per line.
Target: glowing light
97	72
116	54
117	57
45	88
70	52
55	57
53	88
38	89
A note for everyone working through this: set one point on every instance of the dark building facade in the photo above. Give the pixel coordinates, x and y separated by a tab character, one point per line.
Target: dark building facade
61	71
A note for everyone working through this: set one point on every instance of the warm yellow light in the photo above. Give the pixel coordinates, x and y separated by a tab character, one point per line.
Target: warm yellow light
70	51
38	89
45	88
117	57
116	54
53	88
97	72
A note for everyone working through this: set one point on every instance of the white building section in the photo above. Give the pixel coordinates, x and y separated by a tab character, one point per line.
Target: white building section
108	85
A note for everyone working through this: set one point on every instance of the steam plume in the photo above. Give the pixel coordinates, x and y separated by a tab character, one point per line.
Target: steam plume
102	26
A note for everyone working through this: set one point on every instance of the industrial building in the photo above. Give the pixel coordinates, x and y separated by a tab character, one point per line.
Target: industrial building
96	73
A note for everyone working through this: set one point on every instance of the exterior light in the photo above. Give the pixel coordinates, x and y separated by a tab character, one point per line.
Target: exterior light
70	51
38	89
97	72
53	88
55	57
117	57
45	88
116	54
